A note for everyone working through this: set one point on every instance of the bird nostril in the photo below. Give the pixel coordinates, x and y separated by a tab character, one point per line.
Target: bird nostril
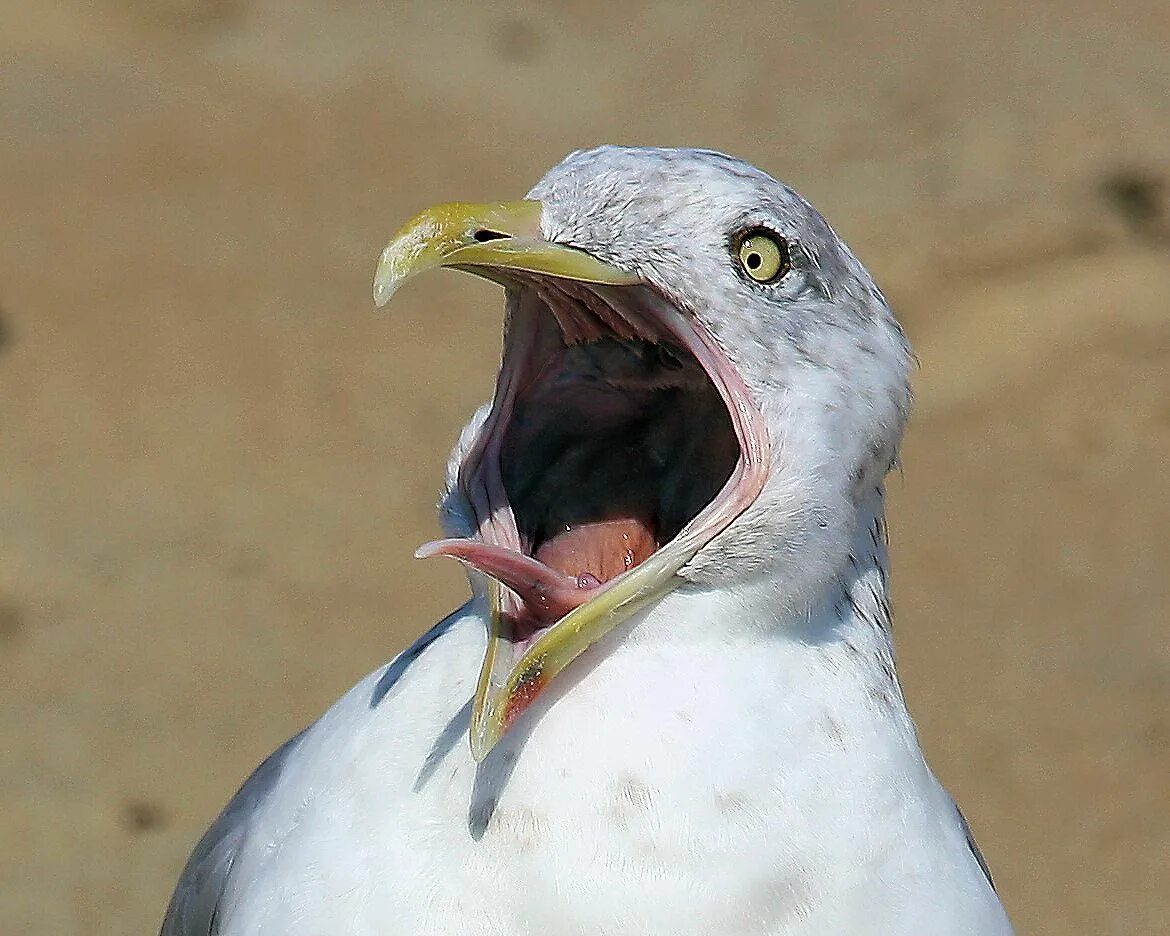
483	235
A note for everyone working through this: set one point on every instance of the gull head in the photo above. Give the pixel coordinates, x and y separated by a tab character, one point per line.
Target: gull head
700	387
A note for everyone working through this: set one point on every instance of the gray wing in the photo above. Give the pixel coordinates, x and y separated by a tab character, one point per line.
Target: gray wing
194	907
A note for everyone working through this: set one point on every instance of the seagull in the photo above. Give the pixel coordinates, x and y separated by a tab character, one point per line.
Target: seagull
670	705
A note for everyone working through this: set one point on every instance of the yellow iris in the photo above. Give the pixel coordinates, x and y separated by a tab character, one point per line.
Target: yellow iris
763	256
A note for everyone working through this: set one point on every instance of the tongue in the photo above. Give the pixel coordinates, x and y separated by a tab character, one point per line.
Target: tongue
592	553
567	569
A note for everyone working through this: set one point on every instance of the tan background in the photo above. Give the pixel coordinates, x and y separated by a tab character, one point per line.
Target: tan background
215	459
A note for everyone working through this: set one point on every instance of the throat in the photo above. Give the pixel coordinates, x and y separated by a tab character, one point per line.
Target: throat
610	449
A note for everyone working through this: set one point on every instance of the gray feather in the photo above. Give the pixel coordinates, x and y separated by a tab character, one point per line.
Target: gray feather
195	906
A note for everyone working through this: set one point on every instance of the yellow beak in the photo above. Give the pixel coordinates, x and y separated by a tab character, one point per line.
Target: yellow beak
487	239
490	240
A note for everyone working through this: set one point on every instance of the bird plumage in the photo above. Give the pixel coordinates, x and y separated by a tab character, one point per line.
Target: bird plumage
734	757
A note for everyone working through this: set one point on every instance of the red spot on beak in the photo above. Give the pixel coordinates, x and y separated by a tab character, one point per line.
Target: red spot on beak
525	693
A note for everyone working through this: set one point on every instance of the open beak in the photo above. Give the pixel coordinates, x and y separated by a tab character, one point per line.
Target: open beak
503	242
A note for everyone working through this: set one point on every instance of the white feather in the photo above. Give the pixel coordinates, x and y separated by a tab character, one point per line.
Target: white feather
735	760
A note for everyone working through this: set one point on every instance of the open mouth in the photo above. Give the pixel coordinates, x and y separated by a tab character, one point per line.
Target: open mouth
606	438
621	440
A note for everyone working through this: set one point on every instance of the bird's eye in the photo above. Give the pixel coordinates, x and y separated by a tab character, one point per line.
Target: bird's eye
763	256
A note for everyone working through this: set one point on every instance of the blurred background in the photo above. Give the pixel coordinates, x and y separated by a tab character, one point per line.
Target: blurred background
216	459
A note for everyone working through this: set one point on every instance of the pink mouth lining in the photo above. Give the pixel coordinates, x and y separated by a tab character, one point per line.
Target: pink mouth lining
537	595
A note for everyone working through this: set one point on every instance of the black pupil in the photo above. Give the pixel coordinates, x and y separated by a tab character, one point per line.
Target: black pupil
753	261
483	235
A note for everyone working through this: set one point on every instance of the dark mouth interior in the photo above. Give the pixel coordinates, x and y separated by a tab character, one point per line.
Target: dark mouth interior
616	440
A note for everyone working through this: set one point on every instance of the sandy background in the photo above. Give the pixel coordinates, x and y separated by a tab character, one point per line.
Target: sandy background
216	459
